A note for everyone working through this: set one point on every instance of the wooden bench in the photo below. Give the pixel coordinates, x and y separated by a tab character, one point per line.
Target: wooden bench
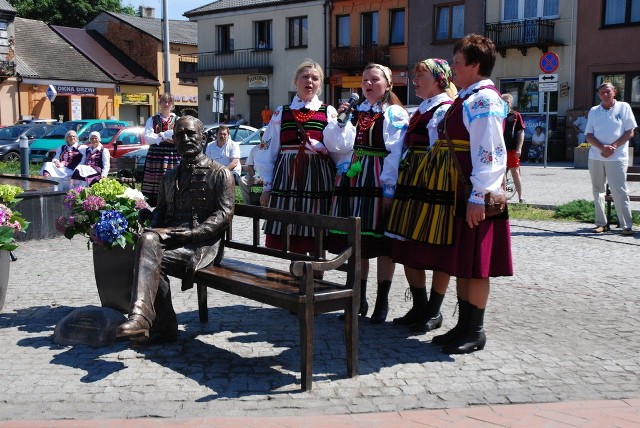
633	176
123	169
297	289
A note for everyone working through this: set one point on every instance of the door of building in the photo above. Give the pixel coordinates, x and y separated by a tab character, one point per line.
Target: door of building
258	98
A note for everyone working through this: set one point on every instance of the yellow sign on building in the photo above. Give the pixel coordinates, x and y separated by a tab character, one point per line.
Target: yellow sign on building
135	98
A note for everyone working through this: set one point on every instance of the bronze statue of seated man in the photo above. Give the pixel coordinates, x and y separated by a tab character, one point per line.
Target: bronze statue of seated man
195	207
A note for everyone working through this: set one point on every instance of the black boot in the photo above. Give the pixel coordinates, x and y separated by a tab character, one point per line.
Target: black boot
431	318
419	306
381	309
460	328
364	305
474	338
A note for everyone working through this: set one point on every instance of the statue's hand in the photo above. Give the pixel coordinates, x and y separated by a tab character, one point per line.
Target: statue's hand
179	236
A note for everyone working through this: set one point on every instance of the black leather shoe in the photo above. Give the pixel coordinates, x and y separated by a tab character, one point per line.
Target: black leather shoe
468	344
430	324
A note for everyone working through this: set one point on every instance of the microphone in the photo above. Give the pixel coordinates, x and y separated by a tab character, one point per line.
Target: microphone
353	99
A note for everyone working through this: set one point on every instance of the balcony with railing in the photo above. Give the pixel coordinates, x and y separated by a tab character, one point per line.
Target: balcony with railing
238	61
7	68
357	57
522	35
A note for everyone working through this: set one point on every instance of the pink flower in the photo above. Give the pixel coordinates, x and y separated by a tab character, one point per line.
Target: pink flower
93	203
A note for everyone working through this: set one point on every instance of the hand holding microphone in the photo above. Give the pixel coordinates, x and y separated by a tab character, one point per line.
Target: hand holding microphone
353	99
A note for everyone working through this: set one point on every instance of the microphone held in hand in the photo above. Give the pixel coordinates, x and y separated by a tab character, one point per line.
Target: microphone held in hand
353	99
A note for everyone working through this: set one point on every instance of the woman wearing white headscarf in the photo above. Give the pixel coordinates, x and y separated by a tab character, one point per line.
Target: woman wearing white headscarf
95	162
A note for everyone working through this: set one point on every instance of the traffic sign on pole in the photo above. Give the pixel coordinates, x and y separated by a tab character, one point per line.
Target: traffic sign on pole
549	62
218	84
548	87
548	78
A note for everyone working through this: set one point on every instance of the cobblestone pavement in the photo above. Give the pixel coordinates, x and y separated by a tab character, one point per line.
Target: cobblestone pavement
564	328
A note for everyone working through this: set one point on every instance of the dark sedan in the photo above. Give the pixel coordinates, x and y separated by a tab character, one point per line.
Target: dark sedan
10	138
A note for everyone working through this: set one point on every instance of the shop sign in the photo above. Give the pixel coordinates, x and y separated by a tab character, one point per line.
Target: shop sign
258	81
185	99
74	90
134	98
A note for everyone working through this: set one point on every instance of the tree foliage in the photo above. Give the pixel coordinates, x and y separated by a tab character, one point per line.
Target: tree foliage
68	13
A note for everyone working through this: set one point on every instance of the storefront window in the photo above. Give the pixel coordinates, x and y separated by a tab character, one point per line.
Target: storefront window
526	98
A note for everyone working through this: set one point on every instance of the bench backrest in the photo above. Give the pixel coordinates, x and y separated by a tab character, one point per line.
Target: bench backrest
348	261
633	173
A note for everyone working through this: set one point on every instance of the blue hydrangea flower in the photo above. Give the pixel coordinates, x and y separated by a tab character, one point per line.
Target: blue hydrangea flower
111	226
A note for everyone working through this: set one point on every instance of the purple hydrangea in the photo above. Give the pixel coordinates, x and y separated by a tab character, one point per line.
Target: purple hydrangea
93	203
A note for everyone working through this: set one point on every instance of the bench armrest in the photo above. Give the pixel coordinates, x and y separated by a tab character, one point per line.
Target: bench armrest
297	267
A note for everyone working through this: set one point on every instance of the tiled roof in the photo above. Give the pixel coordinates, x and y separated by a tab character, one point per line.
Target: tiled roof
230	5
106	56
50	56
180	31
23	68
6	6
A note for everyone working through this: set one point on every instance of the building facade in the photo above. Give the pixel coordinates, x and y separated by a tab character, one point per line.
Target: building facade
253	48
140	38
363	32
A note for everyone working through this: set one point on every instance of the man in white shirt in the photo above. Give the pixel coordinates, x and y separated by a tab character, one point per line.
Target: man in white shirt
248	180
579	125
225	151
609	128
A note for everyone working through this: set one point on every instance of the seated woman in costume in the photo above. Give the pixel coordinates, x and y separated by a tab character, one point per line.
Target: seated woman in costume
95	162
67	157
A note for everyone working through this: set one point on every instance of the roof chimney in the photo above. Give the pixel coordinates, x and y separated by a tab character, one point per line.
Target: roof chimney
147	12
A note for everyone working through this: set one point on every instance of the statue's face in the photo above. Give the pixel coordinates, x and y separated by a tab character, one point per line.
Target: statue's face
188	137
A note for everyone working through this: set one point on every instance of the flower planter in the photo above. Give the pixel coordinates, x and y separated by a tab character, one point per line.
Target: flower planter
581	157
5	260
113	269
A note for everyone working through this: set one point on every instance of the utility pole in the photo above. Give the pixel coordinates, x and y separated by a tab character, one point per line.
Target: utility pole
165	42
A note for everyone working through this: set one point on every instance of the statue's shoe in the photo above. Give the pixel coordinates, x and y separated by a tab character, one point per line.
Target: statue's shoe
136	326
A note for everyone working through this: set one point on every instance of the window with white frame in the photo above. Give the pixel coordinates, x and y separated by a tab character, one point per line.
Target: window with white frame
621	12
298	32
343	31
449	23
4	40
225	38
262	31
529	9
396	24
369	29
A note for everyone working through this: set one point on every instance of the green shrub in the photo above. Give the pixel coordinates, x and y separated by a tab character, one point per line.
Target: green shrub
580	210
14	168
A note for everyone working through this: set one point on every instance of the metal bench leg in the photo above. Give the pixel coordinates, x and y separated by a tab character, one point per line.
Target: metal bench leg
203	308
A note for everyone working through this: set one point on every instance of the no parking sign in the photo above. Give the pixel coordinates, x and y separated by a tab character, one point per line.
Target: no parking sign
549	62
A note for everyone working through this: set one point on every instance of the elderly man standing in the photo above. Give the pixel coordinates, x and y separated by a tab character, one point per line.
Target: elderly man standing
195	207
609	128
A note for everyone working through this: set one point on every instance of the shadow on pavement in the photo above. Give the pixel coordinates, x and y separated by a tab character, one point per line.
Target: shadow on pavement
242	350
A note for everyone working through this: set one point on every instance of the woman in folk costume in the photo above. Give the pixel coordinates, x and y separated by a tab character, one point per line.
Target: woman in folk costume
371	145
433	83
162	155
65	160
297	171
95	163
463	242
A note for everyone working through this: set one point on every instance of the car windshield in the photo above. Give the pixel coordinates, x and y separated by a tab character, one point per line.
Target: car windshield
63	128
12	132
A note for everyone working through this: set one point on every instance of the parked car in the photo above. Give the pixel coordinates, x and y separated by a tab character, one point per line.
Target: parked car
55	138
250	140
36	120
124	140
236	132
10	138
